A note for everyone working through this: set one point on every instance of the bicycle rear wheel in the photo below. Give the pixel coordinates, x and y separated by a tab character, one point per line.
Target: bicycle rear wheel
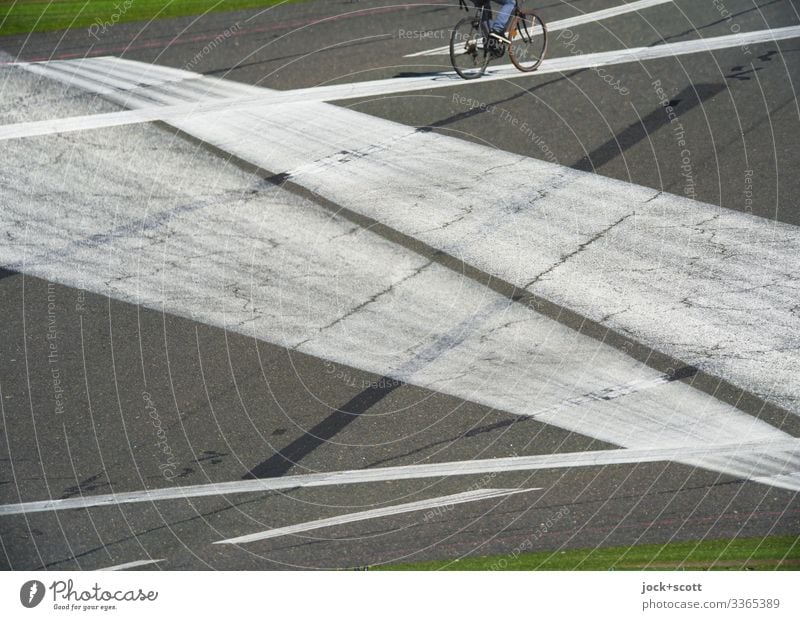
467	50
528	34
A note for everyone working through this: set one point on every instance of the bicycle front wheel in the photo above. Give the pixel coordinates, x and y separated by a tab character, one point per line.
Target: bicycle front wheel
528	34
467	50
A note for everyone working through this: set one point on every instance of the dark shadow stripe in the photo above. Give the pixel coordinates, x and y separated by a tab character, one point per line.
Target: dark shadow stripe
460	116
278	179
281	462
685	372
689	98
7	273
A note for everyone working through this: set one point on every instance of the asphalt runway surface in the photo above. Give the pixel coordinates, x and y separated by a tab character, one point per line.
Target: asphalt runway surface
274	244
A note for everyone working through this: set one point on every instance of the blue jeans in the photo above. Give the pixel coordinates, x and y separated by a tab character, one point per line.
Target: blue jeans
502	15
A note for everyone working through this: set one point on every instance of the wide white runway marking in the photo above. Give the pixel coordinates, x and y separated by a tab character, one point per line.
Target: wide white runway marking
570	22
777	456
377	513
129	565
264	98
588	242
565	234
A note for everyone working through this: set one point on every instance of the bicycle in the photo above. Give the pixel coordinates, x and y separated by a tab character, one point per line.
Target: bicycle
470	53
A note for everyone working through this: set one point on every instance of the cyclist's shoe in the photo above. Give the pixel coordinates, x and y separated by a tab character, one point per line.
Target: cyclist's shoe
499	35
497	43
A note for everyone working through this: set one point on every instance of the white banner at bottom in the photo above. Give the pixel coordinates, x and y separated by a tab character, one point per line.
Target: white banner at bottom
401	595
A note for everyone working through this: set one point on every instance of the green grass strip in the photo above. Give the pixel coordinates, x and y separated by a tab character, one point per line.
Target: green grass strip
24	16
772	553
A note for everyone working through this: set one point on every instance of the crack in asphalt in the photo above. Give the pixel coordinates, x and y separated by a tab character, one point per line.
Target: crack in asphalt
597	236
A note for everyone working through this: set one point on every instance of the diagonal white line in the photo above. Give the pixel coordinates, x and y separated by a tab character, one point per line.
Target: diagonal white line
341	92
129	565
427	504
81	123
554	65
788	447
570	22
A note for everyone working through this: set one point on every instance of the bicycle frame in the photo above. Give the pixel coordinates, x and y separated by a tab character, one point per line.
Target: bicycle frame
518	32
485	15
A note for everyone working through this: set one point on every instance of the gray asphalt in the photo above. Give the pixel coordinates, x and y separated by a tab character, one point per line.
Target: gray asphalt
231	405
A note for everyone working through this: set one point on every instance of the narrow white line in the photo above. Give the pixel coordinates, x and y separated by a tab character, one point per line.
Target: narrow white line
80	123
554	65
570	22
410	472
427	504
128	565
355	90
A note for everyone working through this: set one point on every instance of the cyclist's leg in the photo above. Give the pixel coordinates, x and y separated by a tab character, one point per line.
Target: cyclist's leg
503	16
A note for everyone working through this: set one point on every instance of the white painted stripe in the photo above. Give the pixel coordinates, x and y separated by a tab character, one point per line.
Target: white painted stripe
142	72
134	74
570	22
129	565
785	481
597	458
114	84
596	253
43	70
385	87
549	65
80	123
123	66
377	513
